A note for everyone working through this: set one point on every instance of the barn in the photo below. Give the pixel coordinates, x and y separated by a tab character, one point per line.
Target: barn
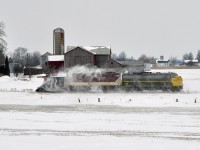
88	55
55	63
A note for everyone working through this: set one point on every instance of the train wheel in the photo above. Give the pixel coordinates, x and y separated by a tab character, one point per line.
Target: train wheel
139	89
175	89
164	89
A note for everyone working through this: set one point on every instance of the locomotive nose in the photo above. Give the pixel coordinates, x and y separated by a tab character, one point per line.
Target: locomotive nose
177	81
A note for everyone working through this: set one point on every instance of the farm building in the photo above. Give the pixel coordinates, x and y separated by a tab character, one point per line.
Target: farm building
162	62
44	57
112	64
33	70
93	56
134	66
55	63
191	62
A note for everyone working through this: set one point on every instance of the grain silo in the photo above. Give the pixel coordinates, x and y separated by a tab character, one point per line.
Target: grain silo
58	41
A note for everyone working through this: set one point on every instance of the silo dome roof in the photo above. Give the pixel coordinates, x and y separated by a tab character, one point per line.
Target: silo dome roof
59	30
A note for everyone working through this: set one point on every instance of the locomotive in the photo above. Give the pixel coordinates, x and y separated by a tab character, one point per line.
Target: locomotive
152	81
112	81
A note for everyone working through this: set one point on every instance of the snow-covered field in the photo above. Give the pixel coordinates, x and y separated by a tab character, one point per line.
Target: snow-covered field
139	120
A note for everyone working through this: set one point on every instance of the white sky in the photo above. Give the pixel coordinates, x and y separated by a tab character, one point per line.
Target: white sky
151	27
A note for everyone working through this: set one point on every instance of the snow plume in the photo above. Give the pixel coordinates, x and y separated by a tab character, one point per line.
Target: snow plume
85	70
51	85
83	75
76	78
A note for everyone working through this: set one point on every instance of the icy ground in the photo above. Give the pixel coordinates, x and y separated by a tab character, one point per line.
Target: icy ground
140	120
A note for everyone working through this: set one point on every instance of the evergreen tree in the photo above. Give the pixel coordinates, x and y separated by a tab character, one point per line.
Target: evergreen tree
2	57
190	56
185	56
7	70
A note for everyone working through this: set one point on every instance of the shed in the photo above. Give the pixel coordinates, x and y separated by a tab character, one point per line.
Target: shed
134	66
162	62
112	64
191	62
33	70
44	57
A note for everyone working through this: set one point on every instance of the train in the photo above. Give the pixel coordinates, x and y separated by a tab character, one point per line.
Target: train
114	81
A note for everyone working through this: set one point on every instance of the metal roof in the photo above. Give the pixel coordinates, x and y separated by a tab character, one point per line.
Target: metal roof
96	50
58	30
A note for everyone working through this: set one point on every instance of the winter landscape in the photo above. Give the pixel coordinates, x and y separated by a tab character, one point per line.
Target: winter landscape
99	75
145	120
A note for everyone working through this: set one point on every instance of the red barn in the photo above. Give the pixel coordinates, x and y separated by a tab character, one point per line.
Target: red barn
55	63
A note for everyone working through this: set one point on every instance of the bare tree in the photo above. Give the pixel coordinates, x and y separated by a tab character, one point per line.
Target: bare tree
188	56
17	69
122	56
143	58
185	56
19	56
35	58
146	59
3	43
114	56
198	56
173	61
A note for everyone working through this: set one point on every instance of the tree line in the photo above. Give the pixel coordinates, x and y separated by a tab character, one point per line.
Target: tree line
20	57
150	59
123	57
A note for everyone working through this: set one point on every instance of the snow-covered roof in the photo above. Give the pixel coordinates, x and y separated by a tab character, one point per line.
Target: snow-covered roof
194	61
162	61
37	67
96	50
55	58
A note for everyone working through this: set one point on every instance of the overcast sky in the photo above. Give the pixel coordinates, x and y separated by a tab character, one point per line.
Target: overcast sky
151	27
